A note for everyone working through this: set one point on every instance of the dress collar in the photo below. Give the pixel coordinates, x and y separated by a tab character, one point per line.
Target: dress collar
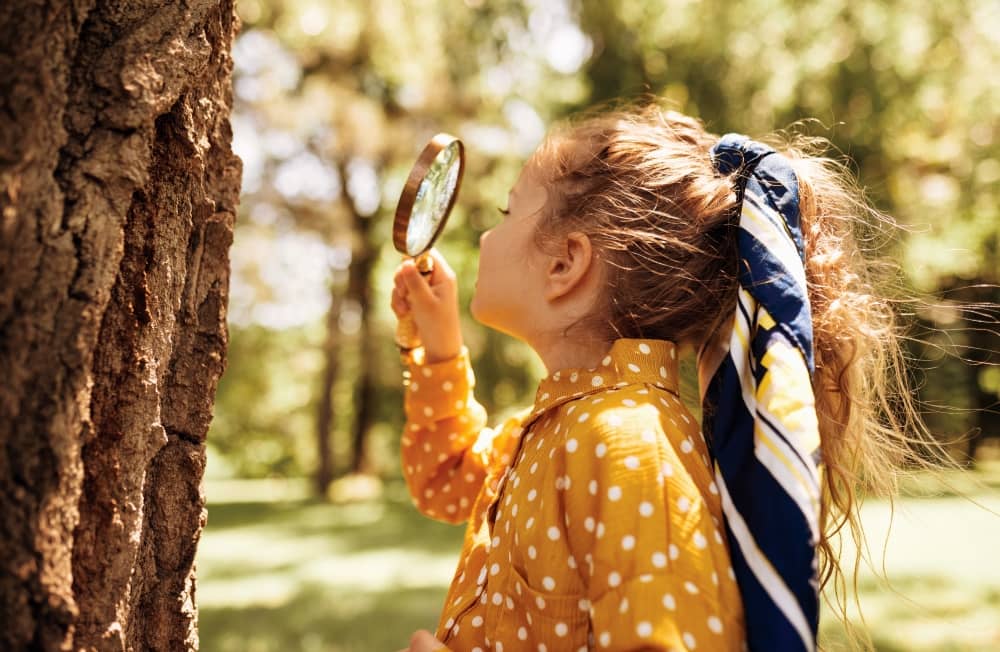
629	361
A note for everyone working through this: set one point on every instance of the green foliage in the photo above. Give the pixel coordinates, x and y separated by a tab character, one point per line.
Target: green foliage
264	413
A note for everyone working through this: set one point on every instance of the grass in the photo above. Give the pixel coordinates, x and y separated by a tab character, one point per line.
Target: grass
279	571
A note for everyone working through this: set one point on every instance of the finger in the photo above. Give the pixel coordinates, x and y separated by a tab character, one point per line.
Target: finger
400	305
417	290
424	641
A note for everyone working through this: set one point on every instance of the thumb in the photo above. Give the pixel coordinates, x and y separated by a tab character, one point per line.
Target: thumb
418	291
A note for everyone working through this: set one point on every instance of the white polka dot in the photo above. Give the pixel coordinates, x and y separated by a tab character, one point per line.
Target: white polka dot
522	633
532	494
614	579
534	465
669	602
629	402
583	417
713	487
447	385
592	487
573	376
644	629
553	533
699	541
600	530
659	560
548	583
428	411
571	561
631	462
571	445
683	504
414	386
718	537
451	621
614	420
690	587
666	470
687	446
634	368
623	606
494	569
646	508
606	361
689	640
539	602
731	574
497	598
498	647
648	436
532	552
426	372
588	524
596	381
605	639
583	605
663	372
644	348
674	551
477	621
529	522
715	624
561	629
601	449
628	542
615	493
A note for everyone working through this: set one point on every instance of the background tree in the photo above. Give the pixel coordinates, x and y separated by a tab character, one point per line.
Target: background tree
118	193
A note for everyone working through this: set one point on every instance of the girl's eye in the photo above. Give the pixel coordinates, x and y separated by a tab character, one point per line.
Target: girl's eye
503	211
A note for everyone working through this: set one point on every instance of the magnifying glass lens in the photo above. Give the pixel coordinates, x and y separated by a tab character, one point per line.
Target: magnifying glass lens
433	199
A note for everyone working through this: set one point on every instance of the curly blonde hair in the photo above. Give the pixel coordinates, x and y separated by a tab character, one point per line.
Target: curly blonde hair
640	182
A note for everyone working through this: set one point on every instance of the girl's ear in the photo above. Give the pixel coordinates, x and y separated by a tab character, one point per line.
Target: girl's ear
567	270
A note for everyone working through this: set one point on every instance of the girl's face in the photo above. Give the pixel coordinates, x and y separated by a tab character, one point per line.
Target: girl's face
509	287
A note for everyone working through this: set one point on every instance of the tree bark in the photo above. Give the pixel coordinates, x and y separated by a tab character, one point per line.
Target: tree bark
118	194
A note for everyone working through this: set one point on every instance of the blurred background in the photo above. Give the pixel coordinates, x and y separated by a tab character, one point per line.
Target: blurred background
312	543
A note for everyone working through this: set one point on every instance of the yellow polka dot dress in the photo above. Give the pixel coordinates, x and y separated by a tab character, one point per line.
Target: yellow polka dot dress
593	520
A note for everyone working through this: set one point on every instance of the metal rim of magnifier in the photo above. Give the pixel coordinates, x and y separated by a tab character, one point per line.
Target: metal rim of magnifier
404	210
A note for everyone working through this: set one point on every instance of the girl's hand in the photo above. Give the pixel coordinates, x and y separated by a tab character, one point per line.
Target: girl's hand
424	641
433	302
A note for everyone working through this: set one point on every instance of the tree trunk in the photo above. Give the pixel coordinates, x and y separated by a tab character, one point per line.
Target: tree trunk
364	398
359	284
118	193
325	414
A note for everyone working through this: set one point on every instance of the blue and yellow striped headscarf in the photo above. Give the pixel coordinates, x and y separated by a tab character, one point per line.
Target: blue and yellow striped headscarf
760	416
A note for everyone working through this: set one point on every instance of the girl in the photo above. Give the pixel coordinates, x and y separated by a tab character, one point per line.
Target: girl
604	516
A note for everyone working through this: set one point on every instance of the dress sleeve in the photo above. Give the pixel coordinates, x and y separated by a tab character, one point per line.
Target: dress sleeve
446	448
648	549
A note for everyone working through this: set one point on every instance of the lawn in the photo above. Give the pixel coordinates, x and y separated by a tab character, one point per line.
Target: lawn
278	571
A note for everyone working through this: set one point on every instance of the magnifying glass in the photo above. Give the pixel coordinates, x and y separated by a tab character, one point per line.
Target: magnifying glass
424	205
